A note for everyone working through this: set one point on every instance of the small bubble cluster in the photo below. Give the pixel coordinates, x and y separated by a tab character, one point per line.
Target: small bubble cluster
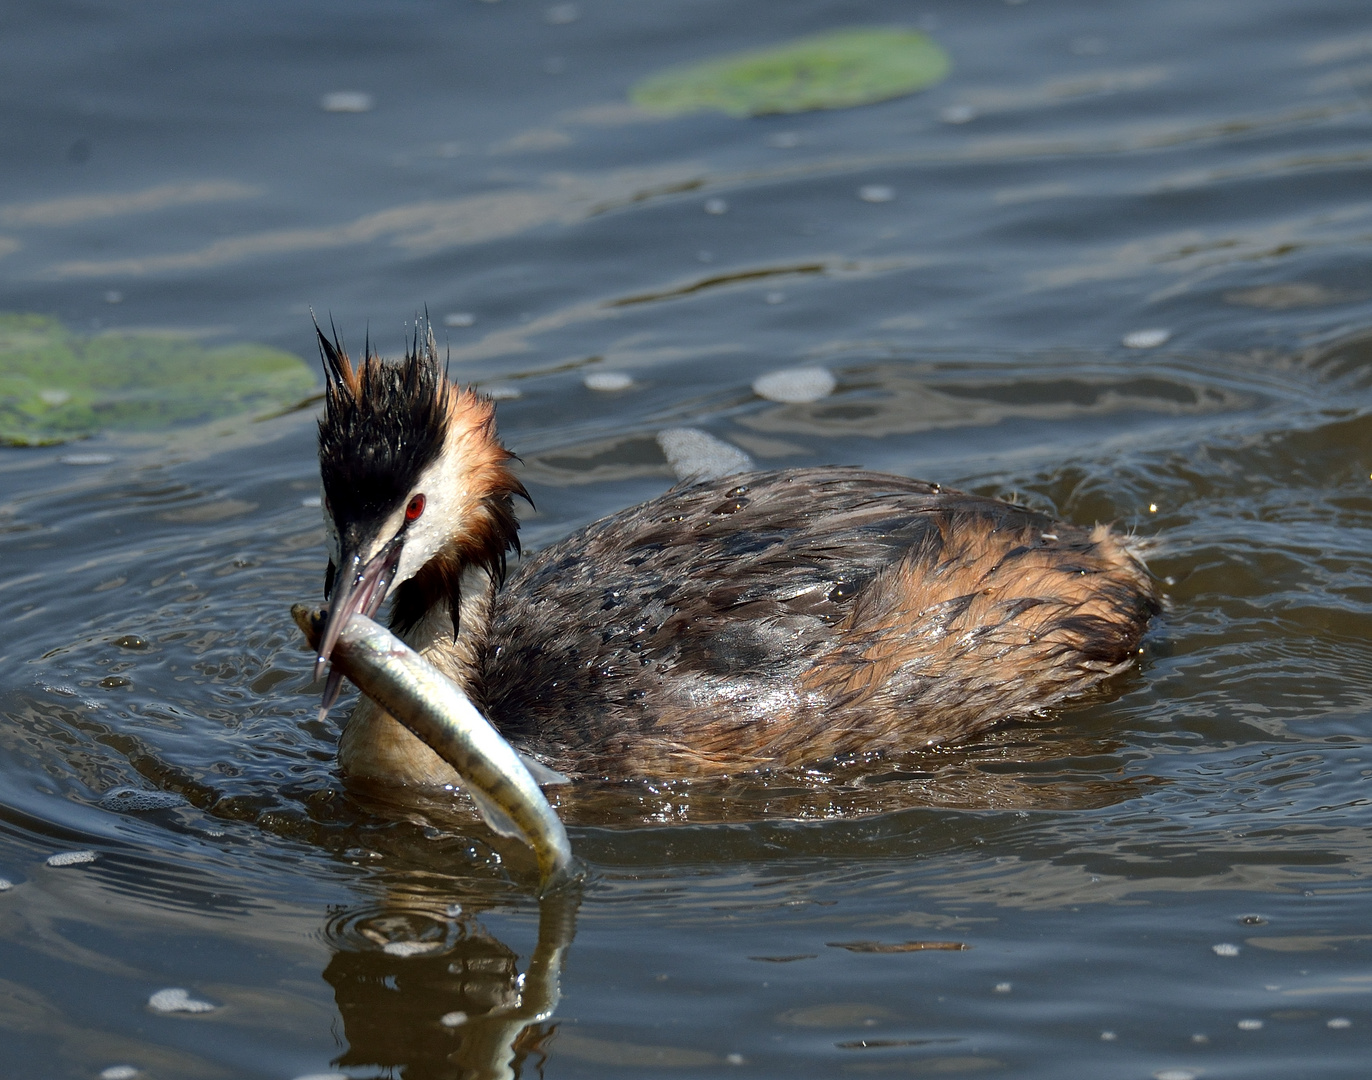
71	858
176	999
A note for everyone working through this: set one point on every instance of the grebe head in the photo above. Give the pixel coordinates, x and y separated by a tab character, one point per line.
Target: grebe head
416	485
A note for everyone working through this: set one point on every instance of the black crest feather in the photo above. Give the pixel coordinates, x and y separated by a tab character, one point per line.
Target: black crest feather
383	424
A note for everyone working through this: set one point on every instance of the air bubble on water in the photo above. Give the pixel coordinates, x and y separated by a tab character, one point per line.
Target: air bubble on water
118	1072
456	1018
347	101
1146	339
1108	1036
1225	949
1174	1074
795	385
958	114
311	502
1002	988
459	318
876	193
132	798
71	858
1200	1039
1338	1023
502	392
6	884
176	999
734	1059
697	455
410	948
86	459
53	398
716	206
453	911
1250	1025
608	381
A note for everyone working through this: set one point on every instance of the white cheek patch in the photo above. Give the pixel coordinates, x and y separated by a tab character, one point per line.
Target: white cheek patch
444	493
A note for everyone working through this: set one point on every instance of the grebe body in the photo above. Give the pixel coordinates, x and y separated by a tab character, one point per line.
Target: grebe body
769	619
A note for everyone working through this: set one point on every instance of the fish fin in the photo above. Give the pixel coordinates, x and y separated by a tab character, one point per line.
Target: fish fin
492	815
543	776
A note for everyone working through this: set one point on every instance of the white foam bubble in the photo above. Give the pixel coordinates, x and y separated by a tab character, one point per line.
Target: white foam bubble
347	101
311	502
118	1072
1250	1025
608	381
459	318
1225	949
1338	1023
71	858
177	999
86	459
1146	339
1174	1074
697	455
795	385
410	948
1002	988
876	193
456	1018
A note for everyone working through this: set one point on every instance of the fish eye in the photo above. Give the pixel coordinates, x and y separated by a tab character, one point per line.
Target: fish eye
415	508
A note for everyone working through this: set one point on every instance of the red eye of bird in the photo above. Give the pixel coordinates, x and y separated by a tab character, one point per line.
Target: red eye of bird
415	508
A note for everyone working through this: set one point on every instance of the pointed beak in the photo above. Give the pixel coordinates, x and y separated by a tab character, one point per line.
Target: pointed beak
359	588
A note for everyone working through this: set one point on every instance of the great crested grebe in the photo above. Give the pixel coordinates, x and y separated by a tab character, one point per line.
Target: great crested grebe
767	619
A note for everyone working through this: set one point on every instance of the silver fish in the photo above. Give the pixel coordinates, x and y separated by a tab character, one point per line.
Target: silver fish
418	695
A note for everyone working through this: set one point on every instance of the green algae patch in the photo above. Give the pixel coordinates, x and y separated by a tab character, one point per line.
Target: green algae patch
835	70
56	385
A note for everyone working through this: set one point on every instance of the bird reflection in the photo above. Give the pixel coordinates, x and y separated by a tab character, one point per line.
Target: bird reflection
440	997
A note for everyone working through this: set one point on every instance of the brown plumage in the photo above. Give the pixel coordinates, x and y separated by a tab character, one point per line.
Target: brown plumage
768	619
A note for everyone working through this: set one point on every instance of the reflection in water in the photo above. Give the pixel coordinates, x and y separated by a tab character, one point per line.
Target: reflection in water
441	997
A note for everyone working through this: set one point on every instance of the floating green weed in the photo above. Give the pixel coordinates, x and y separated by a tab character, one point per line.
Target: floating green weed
835	70
56	385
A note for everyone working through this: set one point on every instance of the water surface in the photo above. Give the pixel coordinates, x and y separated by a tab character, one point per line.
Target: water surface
1165	880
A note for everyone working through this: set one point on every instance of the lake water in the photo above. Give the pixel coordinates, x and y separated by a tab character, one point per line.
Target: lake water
1170	880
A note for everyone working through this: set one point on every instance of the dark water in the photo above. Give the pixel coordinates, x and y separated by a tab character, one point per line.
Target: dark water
1089	170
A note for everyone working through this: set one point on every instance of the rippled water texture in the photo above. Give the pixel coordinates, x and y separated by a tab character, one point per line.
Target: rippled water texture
1168	880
